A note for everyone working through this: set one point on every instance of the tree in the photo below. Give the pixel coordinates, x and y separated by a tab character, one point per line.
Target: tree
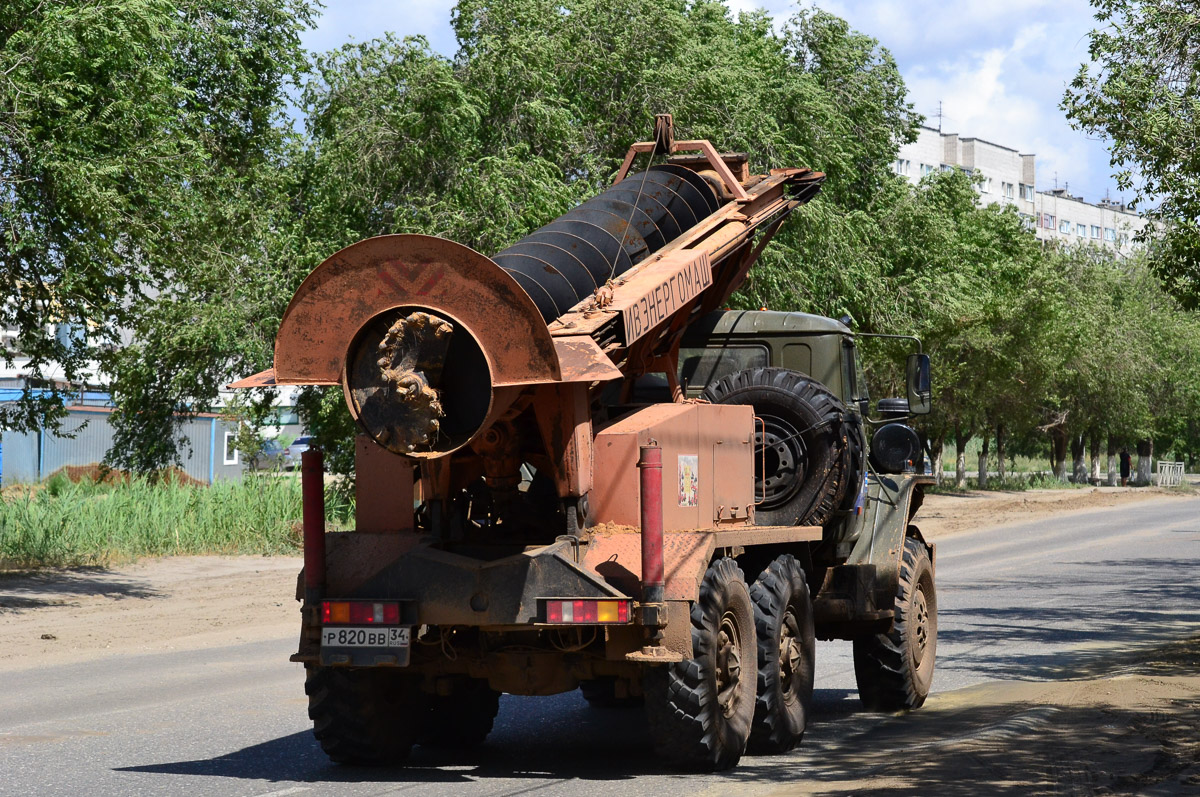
124	125
537	107
1142	93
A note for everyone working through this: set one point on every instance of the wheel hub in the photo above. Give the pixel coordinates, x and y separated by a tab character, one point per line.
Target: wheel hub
789	651
780	461
728	663
920	621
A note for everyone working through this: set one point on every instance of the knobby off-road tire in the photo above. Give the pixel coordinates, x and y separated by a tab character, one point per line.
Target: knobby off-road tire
787	644
700	710
803	460
462	719
364	716
895	670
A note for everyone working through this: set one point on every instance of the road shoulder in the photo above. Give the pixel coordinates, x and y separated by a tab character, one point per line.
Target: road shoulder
153	606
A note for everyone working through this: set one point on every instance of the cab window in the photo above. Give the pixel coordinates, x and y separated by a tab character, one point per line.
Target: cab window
701	367
856	379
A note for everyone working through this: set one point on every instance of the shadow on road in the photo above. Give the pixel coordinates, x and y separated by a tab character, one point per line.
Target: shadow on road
30	590
1108	736
1002	738
537	739
1108	606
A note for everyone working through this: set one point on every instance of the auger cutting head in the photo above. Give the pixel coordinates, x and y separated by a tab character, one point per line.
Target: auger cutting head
421	333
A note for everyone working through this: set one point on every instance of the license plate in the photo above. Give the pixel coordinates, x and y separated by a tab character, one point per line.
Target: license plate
365	637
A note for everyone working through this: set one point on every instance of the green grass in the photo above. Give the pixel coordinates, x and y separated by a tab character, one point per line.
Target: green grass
67	524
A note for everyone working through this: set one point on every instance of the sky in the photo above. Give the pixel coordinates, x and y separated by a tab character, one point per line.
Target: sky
998	68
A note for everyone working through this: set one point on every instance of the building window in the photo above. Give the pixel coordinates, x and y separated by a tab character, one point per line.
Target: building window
902	166
1081	230
1096	231
1064	226
927	169
231	453
1047	221
1027	221
947	167
1007	190
1026	192
1110	234
1124	239
985	187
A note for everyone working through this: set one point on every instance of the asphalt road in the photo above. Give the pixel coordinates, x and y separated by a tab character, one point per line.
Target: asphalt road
1039	601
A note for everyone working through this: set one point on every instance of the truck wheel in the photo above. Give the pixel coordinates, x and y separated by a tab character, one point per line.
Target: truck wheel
364	716
602	693
895	670
801	459
699	711
461	719
787	644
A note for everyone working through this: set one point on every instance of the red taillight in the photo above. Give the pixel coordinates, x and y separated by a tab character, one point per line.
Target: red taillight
591	612
585	611
360	613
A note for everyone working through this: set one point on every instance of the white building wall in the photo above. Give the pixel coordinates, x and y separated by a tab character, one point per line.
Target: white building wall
998	169
920	157
1070	220
1009	176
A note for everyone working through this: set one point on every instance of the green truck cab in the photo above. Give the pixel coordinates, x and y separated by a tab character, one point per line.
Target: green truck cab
853	469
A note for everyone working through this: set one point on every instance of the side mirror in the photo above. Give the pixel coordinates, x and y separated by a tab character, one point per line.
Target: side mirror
920	394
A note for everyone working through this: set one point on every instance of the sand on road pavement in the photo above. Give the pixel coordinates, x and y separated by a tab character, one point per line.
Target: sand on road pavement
1125	730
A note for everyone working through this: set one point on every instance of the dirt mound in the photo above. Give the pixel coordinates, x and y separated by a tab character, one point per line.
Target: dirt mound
95	472
103	474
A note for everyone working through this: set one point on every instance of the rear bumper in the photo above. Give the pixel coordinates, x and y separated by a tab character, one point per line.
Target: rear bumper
441	588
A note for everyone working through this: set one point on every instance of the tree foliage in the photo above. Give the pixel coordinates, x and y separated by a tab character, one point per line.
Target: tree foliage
136	137
155	191
1142	93
535	110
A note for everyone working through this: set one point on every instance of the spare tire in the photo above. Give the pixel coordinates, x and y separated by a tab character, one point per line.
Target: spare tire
803	460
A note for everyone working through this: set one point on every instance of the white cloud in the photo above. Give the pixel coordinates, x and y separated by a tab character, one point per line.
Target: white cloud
999	70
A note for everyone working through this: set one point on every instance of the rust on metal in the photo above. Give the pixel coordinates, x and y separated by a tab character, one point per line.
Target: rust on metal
708	462
419	272
652	296
719	236
582	360
471	368
564	420
383	489
261	379
665	142
617	557
738	163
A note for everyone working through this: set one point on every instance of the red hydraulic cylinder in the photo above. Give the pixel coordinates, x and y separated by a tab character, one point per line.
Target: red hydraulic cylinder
312	489
650	467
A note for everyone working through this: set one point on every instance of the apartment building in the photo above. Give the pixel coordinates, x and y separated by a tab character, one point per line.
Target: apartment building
1008	175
